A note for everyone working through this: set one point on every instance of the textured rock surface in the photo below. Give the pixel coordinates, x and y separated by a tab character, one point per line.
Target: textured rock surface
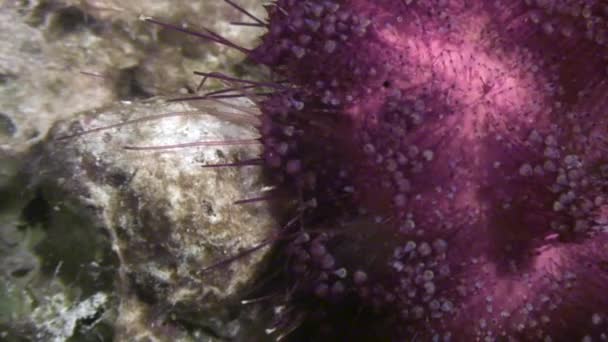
64	57
60	58
58	268
40	79
166	58
168	216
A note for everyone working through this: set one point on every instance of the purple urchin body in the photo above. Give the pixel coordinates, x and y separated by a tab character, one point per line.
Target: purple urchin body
453	160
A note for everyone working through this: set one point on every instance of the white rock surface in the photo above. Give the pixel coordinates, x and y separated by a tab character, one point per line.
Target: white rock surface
70	56
41	79
169	217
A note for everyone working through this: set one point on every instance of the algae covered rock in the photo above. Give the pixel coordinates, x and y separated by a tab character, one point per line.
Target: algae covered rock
100	243
60	58
169	217
40	78
58	269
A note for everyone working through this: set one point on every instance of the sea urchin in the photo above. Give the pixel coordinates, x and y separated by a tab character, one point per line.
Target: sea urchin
450	162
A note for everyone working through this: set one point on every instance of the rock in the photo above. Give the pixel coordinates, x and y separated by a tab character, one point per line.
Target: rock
60	323
65	57
58	269
71	223
40	79
168	217
215	15
141	322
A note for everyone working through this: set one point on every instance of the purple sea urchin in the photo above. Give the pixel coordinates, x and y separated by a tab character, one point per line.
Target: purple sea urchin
460	147
450	163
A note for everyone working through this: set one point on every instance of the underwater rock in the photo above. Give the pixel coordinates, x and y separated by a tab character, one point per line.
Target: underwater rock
58	270
40	78
61	58
169	217
65	57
